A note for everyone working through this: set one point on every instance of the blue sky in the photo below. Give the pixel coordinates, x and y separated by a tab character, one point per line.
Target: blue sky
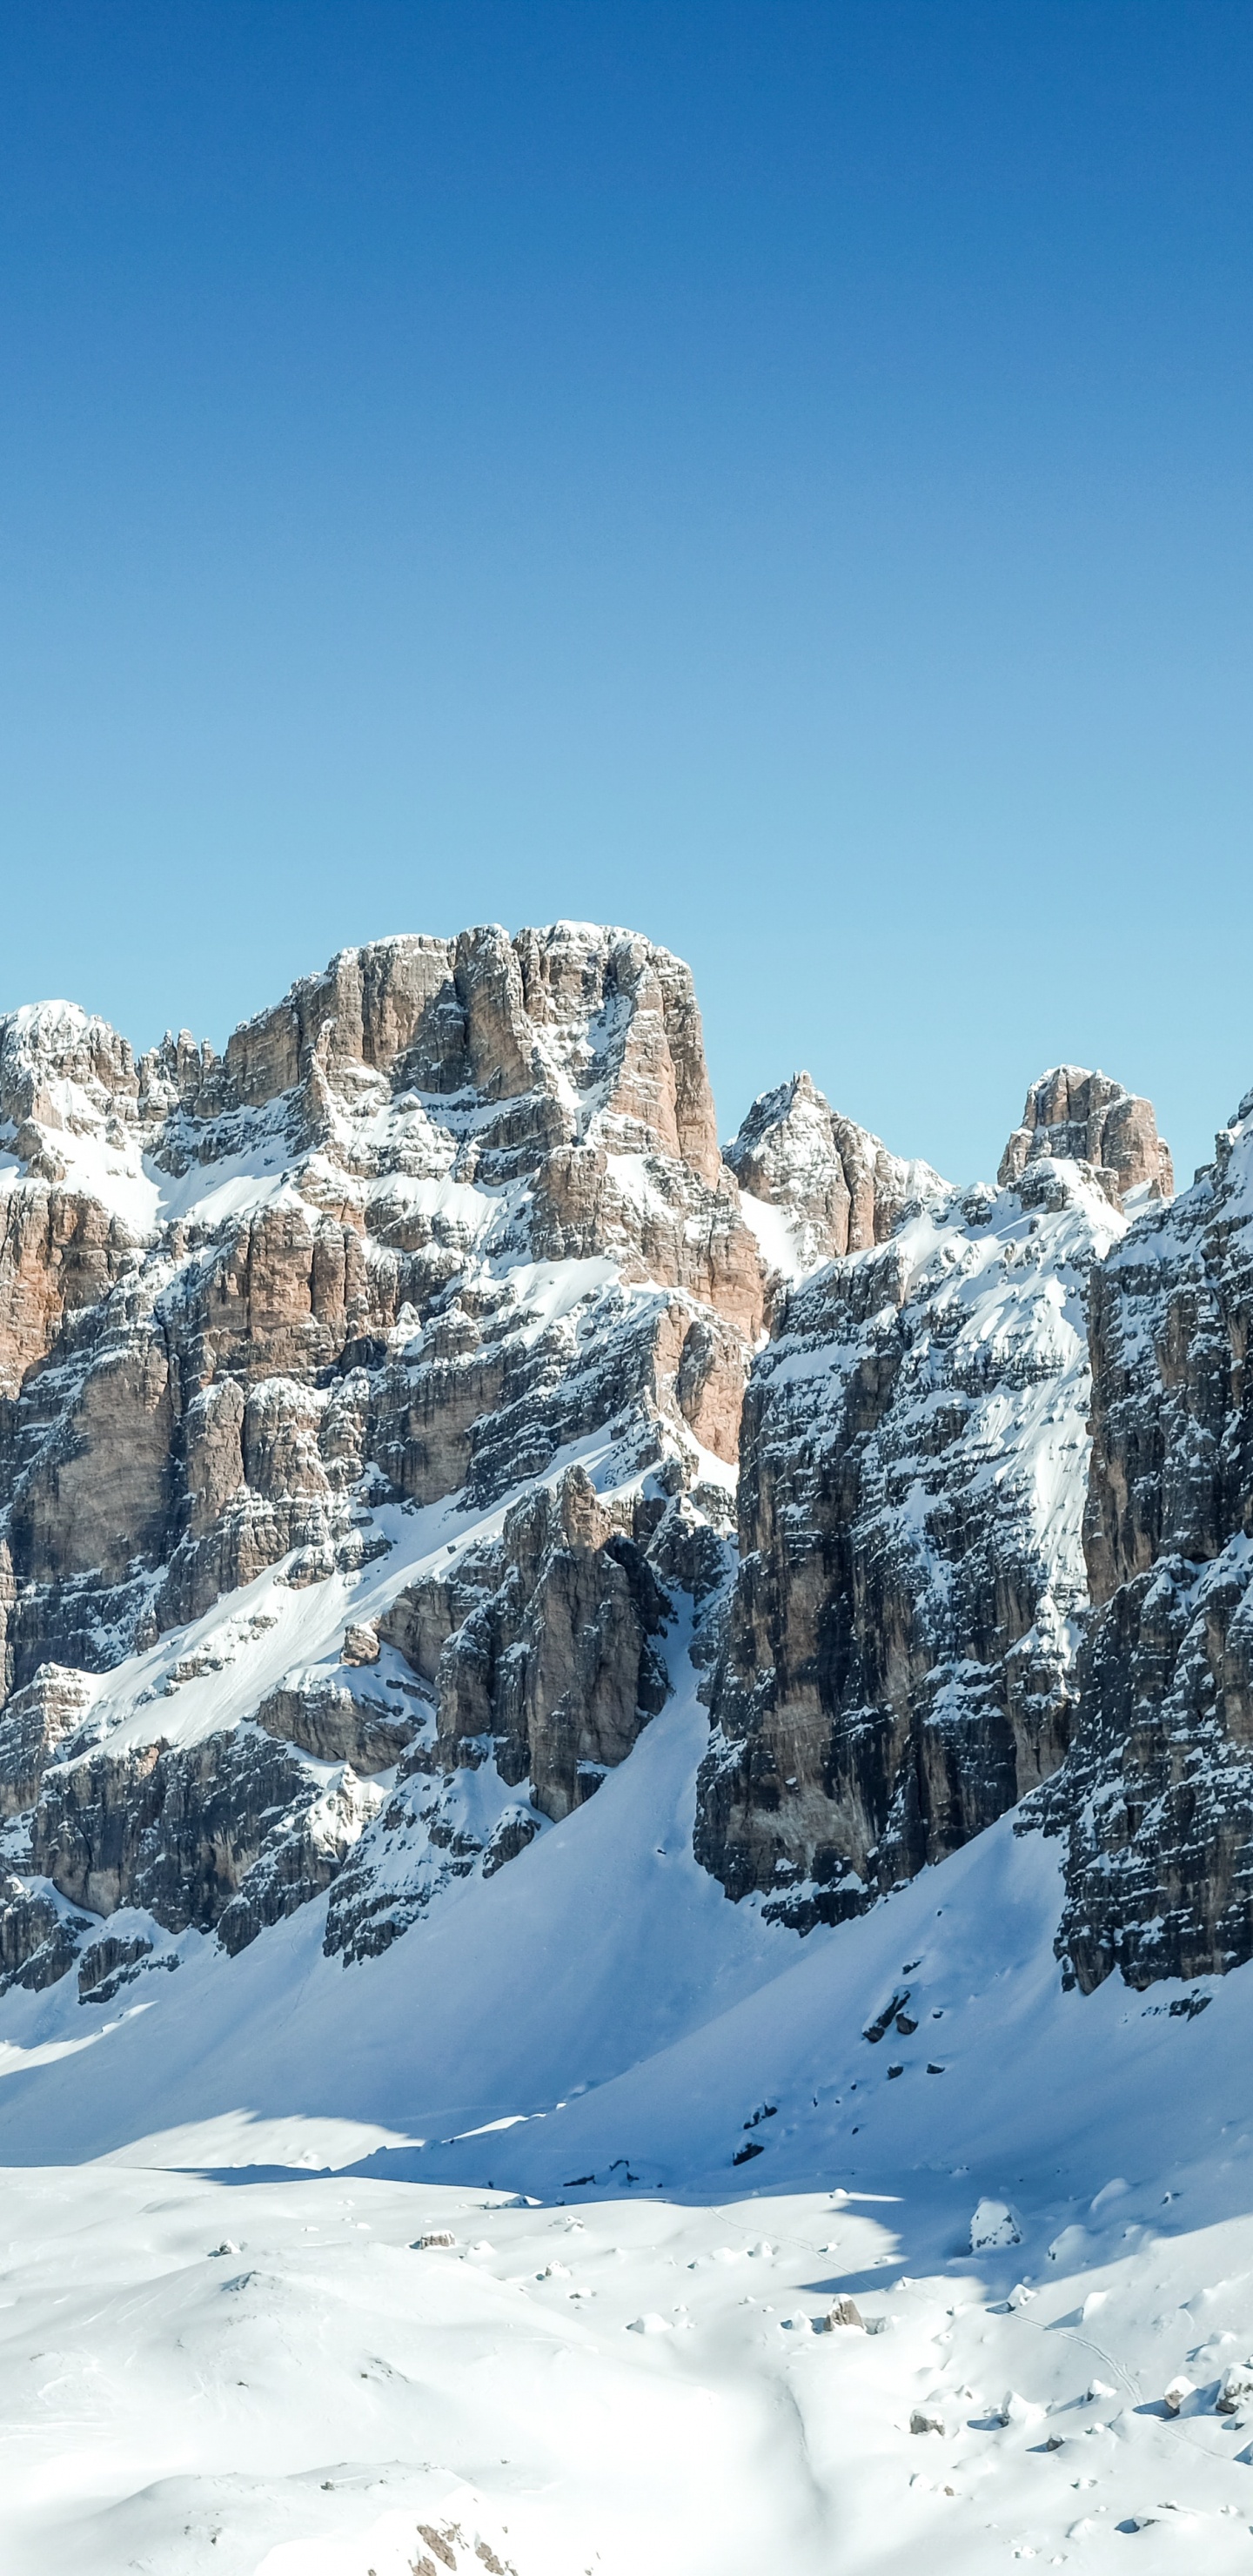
778	476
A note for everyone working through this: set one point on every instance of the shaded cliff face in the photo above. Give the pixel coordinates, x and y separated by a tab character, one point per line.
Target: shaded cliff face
543	1654
899	1661
450	1217
1159	1803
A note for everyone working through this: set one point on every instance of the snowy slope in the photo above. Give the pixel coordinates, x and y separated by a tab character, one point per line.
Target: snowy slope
631	2365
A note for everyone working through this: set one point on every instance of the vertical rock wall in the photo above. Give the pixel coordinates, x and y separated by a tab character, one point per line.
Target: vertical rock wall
899	1663
1159	1810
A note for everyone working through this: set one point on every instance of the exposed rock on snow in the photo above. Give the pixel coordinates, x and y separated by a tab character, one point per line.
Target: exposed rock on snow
451	1209
844	2312
38	1937
1235	2389
993	2224
230	1833
899	1661
547	1651
541	1650
335	1724
109	1964
34	1723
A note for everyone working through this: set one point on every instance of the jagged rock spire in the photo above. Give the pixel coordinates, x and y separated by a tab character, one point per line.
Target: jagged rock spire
835	1186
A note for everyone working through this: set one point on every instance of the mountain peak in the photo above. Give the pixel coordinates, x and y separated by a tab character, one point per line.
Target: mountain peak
1071	1115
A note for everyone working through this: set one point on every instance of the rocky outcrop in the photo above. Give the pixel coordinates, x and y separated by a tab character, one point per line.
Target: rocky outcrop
250	1284
107	1965
226	1834
38	1938
1085	1117
899	1661
554	1665
36	1720
452	1208
337	1725
542	1650
832	1186
1158	1798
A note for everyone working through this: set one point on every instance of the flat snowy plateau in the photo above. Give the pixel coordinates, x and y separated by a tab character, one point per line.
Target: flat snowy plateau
653	2145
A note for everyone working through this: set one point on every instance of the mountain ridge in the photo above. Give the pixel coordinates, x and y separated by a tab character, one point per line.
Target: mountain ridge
451	1220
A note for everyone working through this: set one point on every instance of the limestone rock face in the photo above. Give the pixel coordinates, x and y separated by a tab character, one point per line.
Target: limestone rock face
554	1664
246	1283
899	1661
38	1938
229	1833
541	1649
34	1723
1085	1117
110	1964
450	1214
831	1186
371	1401
337	1725
1158	1810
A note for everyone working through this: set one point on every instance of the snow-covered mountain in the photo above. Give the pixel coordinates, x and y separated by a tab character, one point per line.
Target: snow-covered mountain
430	1305
460	1782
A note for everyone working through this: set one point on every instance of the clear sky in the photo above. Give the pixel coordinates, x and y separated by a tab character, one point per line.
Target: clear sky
774	475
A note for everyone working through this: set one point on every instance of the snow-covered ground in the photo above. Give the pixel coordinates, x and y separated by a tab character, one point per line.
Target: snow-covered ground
275	2376
221	2347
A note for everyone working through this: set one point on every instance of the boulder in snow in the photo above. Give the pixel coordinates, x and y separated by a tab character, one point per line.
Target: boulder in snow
994	2224
843	2312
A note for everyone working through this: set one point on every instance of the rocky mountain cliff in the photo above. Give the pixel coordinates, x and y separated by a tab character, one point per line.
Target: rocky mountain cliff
899	1663
451	1217
1159	1806
391	1406
818	1185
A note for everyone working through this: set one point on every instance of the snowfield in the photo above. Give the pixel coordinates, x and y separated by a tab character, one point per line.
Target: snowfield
662	2147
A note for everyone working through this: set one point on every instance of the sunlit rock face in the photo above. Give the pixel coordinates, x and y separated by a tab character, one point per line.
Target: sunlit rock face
449	1216
815	1184
253	1280
899	1664
1086	1117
